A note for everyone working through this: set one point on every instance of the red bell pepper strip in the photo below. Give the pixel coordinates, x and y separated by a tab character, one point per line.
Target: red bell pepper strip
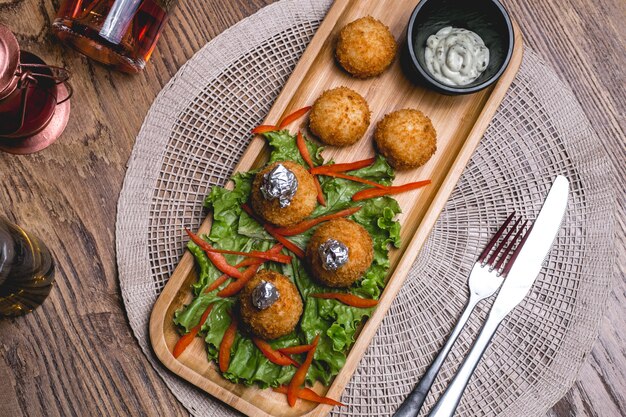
396	189
354	178
293	117
286	242
186	339
276	257
304	151
345	167
295	350
227	342
236	286
320	193
309	395
305	225
272	355
272	231
218	260
264	129
216	284
348	299
298	378
223	278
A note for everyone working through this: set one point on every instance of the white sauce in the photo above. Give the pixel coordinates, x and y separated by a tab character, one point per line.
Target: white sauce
456	56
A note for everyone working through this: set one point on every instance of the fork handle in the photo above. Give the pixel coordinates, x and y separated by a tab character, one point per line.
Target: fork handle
448	402
415	400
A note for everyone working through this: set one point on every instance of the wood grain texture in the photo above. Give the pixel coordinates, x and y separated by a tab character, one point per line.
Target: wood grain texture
76	355
460	122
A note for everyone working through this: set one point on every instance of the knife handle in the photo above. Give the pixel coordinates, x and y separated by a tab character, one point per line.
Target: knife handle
415	400
448	402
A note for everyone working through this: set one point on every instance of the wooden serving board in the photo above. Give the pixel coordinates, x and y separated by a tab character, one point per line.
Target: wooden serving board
460	122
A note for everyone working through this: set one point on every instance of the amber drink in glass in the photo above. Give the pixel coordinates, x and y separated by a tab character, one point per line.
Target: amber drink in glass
118	33
26	270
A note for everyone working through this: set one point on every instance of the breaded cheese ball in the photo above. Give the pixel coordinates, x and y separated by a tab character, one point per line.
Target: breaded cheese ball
273	210
328	247
406	138
339	117
274	315
365	47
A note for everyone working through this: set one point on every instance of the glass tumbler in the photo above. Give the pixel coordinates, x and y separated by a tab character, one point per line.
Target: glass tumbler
118	33
26	270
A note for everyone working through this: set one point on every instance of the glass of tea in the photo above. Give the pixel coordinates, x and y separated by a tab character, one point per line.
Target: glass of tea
118	33
26	270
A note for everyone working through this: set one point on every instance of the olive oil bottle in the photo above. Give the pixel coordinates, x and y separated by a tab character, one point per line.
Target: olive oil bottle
26	270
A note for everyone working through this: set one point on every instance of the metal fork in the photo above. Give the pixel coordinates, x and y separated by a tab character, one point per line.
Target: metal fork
486	277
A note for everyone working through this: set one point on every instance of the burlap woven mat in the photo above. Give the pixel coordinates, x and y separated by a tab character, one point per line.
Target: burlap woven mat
199	126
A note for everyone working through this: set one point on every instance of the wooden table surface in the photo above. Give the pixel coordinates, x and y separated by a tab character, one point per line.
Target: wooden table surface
76	355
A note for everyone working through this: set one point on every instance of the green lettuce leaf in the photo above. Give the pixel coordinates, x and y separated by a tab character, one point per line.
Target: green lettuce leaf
336	323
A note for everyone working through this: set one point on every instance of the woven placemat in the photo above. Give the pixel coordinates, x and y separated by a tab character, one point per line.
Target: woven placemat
198	128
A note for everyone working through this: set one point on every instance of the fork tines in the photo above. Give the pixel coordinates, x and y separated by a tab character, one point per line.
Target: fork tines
501	253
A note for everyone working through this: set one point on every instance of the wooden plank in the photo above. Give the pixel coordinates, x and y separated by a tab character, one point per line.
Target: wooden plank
460	122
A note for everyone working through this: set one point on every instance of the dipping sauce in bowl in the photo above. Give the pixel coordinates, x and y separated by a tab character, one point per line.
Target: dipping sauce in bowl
487	19
456	56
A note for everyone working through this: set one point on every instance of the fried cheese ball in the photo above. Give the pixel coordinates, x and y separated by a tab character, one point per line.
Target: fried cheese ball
281	316
365	47
339	117
328	241
406	138
301	205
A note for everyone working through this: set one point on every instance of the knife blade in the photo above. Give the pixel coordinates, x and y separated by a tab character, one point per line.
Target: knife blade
516	285
535	250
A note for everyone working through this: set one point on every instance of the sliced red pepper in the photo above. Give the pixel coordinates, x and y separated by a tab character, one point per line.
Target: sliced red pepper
305	225
218	260
345	167
264	129
309	395
304	151
236	286
223	278
276	257
227	343
295	350
293	117
216	284
348	299
186	339
298	378
354	178
320	193
396	189
272	231
272	355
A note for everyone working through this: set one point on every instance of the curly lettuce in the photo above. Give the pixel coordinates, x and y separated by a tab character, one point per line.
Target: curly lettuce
336	323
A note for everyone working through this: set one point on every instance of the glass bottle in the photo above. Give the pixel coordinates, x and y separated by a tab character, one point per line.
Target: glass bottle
26	270
118	33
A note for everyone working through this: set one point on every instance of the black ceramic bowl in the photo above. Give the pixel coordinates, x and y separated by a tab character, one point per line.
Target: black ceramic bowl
487	18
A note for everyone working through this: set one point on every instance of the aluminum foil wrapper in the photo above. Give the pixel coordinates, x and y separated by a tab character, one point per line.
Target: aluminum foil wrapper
281	184
264	295
333	253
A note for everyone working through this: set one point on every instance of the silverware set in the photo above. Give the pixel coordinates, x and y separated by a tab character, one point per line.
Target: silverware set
509	263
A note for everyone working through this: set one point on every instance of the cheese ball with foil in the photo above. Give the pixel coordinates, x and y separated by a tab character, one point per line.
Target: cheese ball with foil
365	47
270	305
406	138
339	252
283	193
339	117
